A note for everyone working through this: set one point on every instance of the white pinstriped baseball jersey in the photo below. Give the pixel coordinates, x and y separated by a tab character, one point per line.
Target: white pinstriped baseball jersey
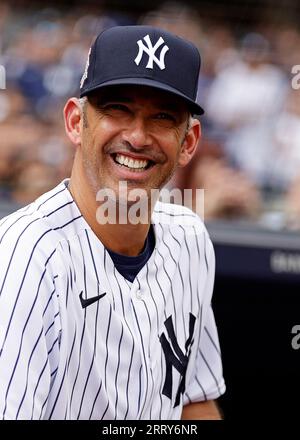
139	351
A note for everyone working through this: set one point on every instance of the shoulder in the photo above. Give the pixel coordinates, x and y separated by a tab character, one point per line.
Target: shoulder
168	214
40	226
179	224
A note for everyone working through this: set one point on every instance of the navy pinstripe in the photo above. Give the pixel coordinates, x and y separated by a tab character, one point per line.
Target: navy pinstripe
60	360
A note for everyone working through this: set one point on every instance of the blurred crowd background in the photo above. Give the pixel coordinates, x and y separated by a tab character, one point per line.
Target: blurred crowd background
248	160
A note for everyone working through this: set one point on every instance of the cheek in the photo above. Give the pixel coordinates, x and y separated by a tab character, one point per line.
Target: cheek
89	150
95	137
106	127
173	146
105	134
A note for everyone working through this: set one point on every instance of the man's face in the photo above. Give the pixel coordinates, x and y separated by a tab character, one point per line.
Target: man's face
132	134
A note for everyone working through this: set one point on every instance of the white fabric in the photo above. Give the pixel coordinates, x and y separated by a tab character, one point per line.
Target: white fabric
59	360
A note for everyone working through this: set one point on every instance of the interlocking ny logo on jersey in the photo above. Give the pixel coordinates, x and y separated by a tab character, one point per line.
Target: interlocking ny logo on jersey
176	358
150	51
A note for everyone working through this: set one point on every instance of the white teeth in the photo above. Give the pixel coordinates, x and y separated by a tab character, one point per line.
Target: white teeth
120	159
131	163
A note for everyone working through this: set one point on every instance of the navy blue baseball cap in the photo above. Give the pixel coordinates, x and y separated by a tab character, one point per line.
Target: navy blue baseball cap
143	55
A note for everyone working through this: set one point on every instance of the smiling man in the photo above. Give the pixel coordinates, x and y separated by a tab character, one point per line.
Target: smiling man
113	320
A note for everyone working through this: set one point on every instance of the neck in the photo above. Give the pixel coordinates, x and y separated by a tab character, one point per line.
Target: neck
127	239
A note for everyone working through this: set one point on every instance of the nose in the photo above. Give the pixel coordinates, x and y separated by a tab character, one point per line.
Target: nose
137	134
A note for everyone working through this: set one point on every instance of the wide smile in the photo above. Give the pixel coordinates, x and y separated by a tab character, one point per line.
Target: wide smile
132	167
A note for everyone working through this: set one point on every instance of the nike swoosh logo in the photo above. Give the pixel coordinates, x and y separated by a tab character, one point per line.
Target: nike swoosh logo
87	302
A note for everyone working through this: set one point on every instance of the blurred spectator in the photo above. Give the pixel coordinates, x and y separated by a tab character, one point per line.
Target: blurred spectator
178	18
251	129
286	141
292	207
287	45
32	181
17	143
12	105
228	193
245	100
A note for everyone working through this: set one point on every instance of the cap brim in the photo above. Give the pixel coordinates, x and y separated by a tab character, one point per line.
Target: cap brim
195	108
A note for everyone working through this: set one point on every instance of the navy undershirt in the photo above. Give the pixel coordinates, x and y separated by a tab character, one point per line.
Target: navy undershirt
129	267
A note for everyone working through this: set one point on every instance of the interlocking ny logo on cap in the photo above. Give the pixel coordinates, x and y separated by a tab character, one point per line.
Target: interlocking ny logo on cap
150	51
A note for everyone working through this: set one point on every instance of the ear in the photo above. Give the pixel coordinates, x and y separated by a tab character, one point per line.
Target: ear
190	143
72	118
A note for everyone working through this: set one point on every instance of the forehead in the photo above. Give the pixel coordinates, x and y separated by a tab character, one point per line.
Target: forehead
140	95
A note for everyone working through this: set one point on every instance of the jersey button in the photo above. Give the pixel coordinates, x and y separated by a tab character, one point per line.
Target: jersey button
139	295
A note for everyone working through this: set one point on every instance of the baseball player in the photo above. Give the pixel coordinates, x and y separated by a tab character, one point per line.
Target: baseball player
113	320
